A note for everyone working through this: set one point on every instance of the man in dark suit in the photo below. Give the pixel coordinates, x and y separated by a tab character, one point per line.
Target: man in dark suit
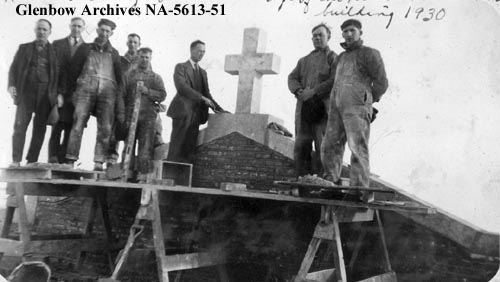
33	87
69	69
189	108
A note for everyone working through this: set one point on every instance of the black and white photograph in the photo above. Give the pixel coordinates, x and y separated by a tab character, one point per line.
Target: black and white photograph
250	141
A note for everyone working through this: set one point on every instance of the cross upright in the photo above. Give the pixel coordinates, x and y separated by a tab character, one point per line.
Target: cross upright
250	66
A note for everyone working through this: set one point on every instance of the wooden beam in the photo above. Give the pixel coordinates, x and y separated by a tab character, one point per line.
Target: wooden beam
23	215
10	247
244	194
192	260
49	189
338	253
354	215
158	237
23	173
387	266
76	245
9	215
308	259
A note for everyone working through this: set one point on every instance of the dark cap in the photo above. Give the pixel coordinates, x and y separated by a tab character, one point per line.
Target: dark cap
349	22
107	22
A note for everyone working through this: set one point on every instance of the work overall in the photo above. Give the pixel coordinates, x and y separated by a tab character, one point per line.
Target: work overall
96	92
348	121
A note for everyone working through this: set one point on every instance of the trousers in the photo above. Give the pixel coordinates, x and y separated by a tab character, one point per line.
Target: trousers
98	96
24	113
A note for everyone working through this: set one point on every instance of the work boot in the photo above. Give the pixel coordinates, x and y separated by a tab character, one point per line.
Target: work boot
15	164
53	160
98	166
70	164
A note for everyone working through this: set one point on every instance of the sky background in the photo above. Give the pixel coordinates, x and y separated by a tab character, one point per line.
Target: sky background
437	132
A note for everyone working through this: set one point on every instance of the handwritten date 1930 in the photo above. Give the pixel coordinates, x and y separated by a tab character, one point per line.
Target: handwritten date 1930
426	14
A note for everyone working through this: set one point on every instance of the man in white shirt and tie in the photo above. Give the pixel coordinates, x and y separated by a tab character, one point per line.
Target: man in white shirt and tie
189	108
70	67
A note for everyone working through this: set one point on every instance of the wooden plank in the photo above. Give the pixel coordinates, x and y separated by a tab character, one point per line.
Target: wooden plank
326	275
54	190
243	194
387	265
9	215
23	215
54	246
103	204
338	253
308	259
10	247
76	174
23	173
386	277
324	231
158	238
347	188
354	215
192	260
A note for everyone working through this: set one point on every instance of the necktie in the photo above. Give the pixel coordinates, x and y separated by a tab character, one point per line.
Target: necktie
75	41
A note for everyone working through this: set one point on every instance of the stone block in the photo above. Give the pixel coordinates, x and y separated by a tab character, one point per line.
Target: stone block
228	186
253	126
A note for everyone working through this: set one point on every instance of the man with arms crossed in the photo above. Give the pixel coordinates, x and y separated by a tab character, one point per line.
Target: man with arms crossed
311	82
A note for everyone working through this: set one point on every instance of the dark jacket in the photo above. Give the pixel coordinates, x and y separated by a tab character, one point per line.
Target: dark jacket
370	65
188	100
69	70
149	101
18	73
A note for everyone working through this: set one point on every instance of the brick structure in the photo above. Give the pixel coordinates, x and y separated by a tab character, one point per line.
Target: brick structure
236	158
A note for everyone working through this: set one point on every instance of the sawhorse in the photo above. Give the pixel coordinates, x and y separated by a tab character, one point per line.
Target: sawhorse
27	243
328	229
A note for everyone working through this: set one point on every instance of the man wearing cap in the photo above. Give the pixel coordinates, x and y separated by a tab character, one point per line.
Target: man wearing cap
189	108
33	87
360	80
311	82
70	68
151	89
97	91
130	61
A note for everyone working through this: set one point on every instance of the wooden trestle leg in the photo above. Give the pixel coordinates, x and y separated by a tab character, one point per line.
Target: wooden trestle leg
328	230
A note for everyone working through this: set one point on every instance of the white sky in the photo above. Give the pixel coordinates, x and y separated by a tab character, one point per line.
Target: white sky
437	132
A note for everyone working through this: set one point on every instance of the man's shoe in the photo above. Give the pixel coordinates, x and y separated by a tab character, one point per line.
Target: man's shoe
53	160
98	166
68	165
15	164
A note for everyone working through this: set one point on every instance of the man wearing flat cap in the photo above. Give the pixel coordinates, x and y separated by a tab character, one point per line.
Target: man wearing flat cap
360	80
97	92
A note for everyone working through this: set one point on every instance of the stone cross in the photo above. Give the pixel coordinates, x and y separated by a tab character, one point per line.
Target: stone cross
250	66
